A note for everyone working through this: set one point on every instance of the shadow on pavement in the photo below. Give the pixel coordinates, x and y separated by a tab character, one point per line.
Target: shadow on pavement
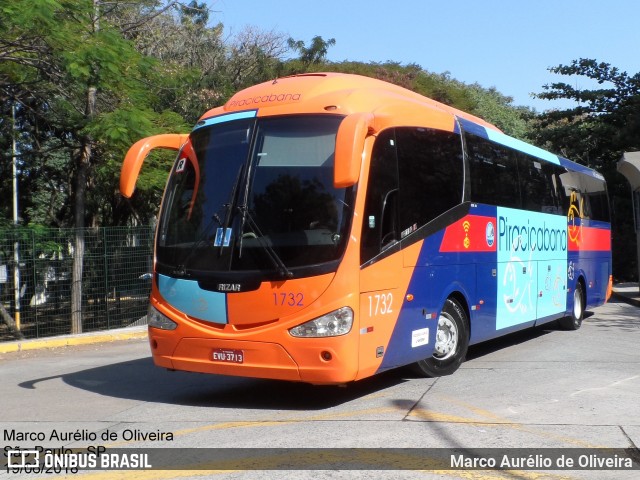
141	380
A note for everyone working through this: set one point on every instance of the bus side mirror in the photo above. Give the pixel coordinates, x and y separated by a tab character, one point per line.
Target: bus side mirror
139	151
349	146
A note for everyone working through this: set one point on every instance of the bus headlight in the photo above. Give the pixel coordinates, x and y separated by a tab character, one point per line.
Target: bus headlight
156	319
332	324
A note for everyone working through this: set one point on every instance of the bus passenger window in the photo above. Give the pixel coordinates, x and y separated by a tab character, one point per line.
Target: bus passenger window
494	173
599	202
389	231
380	222
537	188
431	174
594	193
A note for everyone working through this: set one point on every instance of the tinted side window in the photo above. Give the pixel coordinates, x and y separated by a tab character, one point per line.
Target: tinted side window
431	167
586	194
536	185
595	191
600	206
494	173
554	173
379	225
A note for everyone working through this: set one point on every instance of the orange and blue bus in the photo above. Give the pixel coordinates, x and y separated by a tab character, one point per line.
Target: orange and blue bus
326	227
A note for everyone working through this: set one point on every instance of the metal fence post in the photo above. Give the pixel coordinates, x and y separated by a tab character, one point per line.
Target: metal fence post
16	278
105	259
35	281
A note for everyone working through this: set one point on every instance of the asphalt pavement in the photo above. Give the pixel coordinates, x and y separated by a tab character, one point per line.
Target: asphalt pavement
540	389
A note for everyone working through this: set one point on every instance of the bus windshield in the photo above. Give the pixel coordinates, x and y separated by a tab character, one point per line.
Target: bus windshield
255	194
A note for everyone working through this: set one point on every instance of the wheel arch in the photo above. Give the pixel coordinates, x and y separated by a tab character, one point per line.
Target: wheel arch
459	296
581	279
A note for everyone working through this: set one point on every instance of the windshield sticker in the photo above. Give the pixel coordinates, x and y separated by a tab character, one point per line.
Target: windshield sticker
182	163
223	237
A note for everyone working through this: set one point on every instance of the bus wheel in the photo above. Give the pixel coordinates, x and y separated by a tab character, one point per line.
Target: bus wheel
574	321
452	340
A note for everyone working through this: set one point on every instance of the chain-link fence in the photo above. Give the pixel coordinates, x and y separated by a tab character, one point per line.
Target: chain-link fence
116	278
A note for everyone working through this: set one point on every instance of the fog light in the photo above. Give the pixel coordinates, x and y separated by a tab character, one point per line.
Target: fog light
326	356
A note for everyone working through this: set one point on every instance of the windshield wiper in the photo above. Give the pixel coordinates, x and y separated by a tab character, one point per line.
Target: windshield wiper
181	269
229	206
247	218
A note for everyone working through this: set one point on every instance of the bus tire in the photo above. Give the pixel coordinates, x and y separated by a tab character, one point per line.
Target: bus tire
452	340
574	320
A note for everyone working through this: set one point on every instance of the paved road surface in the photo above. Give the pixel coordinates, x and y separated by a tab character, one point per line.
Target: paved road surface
542	388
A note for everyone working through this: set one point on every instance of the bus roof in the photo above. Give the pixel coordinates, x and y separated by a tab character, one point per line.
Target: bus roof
532	150
328	92
341	93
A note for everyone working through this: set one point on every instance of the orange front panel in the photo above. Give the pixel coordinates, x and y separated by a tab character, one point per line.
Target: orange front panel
270	351
261	359
275	300
318	361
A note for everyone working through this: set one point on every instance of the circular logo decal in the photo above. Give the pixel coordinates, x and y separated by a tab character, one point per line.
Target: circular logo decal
490	233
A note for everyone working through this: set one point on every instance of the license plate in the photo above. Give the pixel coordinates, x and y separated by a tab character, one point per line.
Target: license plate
228	356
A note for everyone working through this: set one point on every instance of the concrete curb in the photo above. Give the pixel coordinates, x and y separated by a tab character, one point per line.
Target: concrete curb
625	298
69	340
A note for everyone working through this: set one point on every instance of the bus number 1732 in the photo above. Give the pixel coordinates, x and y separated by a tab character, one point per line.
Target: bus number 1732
290	299
380	304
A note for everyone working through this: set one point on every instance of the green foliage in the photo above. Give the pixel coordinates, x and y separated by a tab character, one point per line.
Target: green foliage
314	54
155	66
488	104
77	82
604	124
605	121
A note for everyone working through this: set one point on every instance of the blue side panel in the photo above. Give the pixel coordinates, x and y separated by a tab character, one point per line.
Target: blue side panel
403	347
188	297
532	263
483	320
524	147
509	265
580	168
508	141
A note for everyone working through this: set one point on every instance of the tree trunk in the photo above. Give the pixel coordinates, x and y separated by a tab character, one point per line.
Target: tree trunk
11	325
82	173
82	177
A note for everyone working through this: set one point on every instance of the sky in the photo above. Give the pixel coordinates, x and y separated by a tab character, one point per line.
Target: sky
504	44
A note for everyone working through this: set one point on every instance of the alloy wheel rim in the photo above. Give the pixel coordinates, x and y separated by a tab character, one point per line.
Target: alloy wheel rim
446	338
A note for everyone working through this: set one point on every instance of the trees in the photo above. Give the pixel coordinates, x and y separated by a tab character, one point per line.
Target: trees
314	54
475	99
90	77
75	79
596	132
606	119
